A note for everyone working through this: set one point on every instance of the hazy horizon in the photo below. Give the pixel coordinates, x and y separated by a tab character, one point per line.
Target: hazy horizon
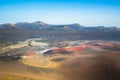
84	12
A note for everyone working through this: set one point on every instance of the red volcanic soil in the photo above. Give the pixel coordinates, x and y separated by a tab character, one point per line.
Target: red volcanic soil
30	54
90	45
66	49
69	49
59	50
76	48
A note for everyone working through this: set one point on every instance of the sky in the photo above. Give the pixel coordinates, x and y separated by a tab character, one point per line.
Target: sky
84	12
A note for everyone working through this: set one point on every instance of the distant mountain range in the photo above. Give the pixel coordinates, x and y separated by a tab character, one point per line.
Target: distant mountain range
39	25
73	31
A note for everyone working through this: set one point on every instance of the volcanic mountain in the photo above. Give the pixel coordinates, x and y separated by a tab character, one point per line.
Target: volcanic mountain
38	25
71	31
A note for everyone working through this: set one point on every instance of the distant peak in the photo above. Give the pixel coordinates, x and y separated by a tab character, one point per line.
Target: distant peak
77	24
40	22
10	24
101	26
